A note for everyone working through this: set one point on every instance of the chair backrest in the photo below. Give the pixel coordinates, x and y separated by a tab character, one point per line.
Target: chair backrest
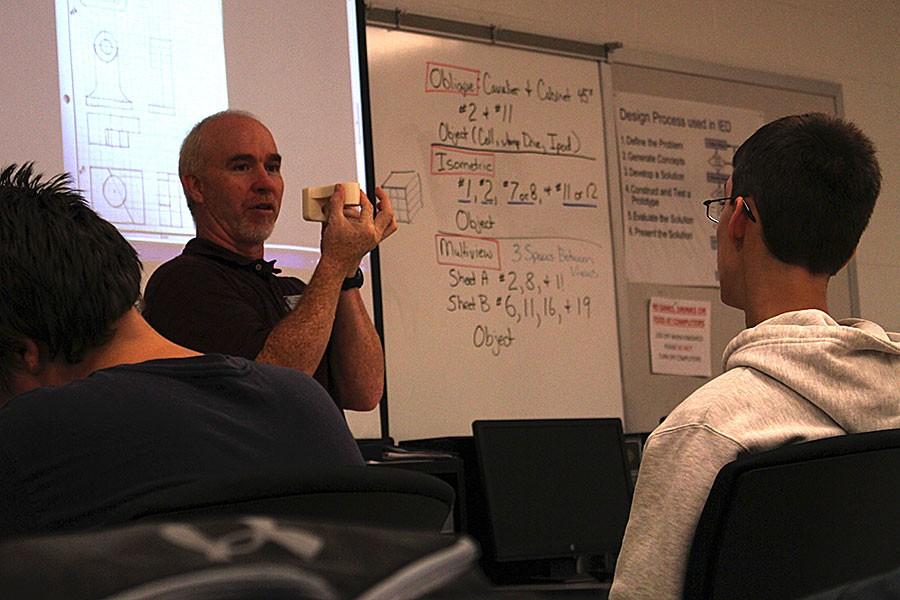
798	519
379	497
241	558
881	587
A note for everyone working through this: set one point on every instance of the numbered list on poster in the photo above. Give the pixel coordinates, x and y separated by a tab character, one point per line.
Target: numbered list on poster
673	154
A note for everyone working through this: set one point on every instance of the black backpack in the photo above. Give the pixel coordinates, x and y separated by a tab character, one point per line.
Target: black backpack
242	557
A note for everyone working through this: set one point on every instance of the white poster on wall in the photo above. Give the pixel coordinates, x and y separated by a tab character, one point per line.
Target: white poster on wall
673	154
680	337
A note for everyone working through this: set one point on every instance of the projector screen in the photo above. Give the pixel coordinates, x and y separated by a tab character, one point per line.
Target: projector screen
107	89
136	76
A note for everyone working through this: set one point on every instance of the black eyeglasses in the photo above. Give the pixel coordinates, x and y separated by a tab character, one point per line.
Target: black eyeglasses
715	206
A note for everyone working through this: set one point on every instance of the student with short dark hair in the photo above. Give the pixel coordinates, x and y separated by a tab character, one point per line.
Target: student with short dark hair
98	412
828	170
801	194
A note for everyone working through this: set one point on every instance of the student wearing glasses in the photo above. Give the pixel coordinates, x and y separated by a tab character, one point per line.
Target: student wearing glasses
801	194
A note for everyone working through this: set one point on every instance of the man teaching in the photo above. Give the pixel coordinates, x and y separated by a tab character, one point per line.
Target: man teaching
220	295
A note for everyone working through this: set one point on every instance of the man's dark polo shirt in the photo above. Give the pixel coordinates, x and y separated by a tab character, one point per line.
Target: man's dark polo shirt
212	300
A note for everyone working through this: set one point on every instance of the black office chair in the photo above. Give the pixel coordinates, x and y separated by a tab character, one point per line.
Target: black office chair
357	494
241	558
363	495
799	519
881	587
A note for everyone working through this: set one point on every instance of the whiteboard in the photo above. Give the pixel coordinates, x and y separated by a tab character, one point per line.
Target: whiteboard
498	291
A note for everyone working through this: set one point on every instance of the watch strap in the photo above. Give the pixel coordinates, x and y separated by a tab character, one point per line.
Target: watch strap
353	282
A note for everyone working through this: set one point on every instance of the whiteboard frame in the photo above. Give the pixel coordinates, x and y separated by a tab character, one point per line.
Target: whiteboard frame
404	21
663	62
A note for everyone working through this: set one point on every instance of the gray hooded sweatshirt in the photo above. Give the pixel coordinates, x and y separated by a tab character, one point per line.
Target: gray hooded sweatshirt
795	377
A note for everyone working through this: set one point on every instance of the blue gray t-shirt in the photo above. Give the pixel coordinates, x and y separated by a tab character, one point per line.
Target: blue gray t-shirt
107	447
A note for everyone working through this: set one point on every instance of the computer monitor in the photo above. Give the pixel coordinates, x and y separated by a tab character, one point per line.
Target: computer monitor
558	495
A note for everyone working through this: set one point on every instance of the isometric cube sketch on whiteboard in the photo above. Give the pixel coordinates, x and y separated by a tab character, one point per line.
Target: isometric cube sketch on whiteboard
404	188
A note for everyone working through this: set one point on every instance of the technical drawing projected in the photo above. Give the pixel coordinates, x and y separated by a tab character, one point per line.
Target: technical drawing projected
161	63
105	4
169	200
107	80
134	78
111	130
118	194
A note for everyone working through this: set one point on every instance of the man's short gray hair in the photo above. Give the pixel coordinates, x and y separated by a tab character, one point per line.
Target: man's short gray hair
191	157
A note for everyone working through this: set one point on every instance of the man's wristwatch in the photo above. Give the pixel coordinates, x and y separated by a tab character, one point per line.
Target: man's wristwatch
353	282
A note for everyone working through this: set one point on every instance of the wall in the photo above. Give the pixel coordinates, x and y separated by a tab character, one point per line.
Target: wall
849	43
29	104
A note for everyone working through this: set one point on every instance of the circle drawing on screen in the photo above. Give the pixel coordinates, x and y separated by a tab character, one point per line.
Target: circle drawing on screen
105	47
115	192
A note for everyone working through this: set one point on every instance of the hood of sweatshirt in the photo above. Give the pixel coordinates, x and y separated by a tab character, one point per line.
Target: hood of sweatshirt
849	369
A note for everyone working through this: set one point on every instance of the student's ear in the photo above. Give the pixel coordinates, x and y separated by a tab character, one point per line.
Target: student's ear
28	356
27	367
738	221
193	188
